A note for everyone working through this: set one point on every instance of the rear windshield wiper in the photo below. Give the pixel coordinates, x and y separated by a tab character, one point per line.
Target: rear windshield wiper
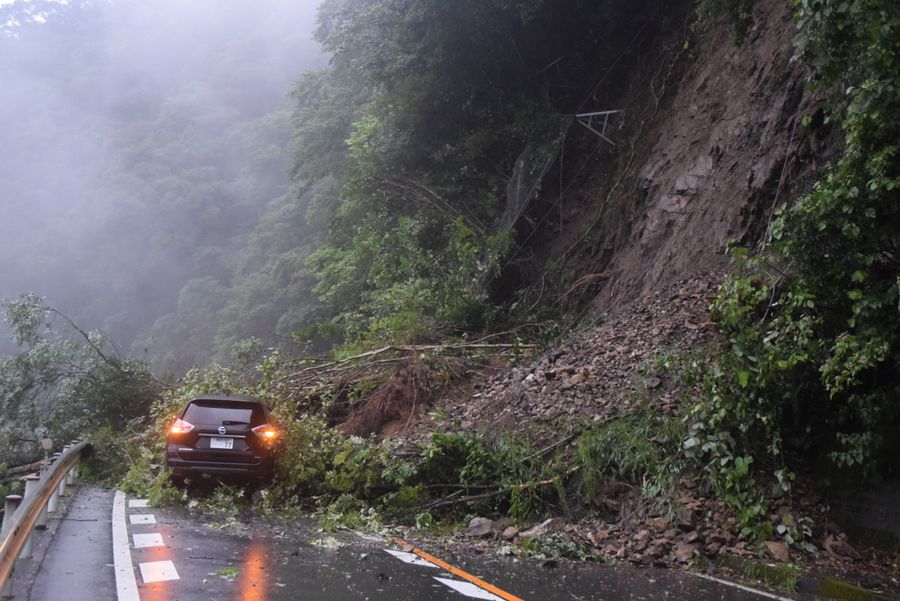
230	422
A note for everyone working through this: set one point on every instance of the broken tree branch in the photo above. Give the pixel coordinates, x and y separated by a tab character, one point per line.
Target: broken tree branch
412	348
486	495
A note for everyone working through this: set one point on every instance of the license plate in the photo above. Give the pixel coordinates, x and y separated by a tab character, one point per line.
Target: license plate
221	443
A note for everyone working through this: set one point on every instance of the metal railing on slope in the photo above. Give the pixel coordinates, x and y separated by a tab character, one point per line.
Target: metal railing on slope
20	523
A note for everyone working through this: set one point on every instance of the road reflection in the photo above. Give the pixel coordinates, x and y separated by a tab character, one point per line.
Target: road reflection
252	580
156	591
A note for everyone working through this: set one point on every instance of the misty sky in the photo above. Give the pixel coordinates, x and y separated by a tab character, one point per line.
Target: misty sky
133	133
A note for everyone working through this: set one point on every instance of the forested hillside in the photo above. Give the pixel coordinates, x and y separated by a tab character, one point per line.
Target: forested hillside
141	143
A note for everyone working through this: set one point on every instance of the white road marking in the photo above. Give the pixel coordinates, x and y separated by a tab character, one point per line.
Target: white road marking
152	539
410	558
468	589
126	585
142	518
158	571
741	587
137	503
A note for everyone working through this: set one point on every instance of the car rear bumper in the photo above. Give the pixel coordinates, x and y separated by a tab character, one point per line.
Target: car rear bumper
180	468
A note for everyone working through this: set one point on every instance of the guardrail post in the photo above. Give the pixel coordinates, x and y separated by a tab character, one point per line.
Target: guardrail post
53	503
41	523
62	487
7	592
32	483
70	477
12	504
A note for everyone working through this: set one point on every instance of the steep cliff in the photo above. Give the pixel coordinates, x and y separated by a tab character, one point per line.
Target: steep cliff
708	143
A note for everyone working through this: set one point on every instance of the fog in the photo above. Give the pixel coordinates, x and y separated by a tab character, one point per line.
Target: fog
139	142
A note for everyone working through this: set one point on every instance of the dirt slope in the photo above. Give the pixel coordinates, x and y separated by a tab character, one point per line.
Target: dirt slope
598	375
707	163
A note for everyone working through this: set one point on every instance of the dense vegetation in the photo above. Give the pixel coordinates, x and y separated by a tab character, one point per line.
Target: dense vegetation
399	154
814	315
64	382
408	141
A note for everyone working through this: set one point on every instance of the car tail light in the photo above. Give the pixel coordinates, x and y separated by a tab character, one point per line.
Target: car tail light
266	432
179	426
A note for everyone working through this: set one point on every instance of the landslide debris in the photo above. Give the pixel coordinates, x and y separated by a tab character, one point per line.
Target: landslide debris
597	375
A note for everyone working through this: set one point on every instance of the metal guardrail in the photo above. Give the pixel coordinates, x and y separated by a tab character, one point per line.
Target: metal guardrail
19	524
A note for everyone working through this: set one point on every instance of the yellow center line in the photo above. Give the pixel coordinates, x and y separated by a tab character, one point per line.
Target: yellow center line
457	571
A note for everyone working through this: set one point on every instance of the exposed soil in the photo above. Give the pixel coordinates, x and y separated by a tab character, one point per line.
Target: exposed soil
393	405
709	141
711	168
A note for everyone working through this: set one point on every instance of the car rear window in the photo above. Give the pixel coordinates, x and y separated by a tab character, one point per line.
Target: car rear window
213	412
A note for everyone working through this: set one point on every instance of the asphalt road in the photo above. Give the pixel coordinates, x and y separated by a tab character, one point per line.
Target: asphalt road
178	555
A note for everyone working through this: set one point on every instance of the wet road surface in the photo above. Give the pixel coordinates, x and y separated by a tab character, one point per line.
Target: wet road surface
76	563
177	557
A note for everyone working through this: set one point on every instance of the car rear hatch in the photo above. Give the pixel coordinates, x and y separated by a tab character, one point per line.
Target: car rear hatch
222	432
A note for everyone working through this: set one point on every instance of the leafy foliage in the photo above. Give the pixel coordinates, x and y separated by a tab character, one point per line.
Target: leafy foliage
639	449
64	381
399	154
814	319
435	101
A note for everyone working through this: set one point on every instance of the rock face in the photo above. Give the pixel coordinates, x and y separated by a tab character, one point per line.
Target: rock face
720	152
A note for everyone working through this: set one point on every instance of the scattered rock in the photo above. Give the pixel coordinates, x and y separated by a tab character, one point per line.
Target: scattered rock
684	552
778	551
596	378
480	527
598	536
840	549
685	520
658	547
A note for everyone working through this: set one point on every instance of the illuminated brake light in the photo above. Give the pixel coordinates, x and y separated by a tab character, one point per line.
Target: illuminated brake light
266	432
181	427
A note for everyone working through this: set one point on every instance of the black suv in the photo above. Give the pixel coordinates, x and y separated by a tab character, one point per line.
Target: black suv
222	436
